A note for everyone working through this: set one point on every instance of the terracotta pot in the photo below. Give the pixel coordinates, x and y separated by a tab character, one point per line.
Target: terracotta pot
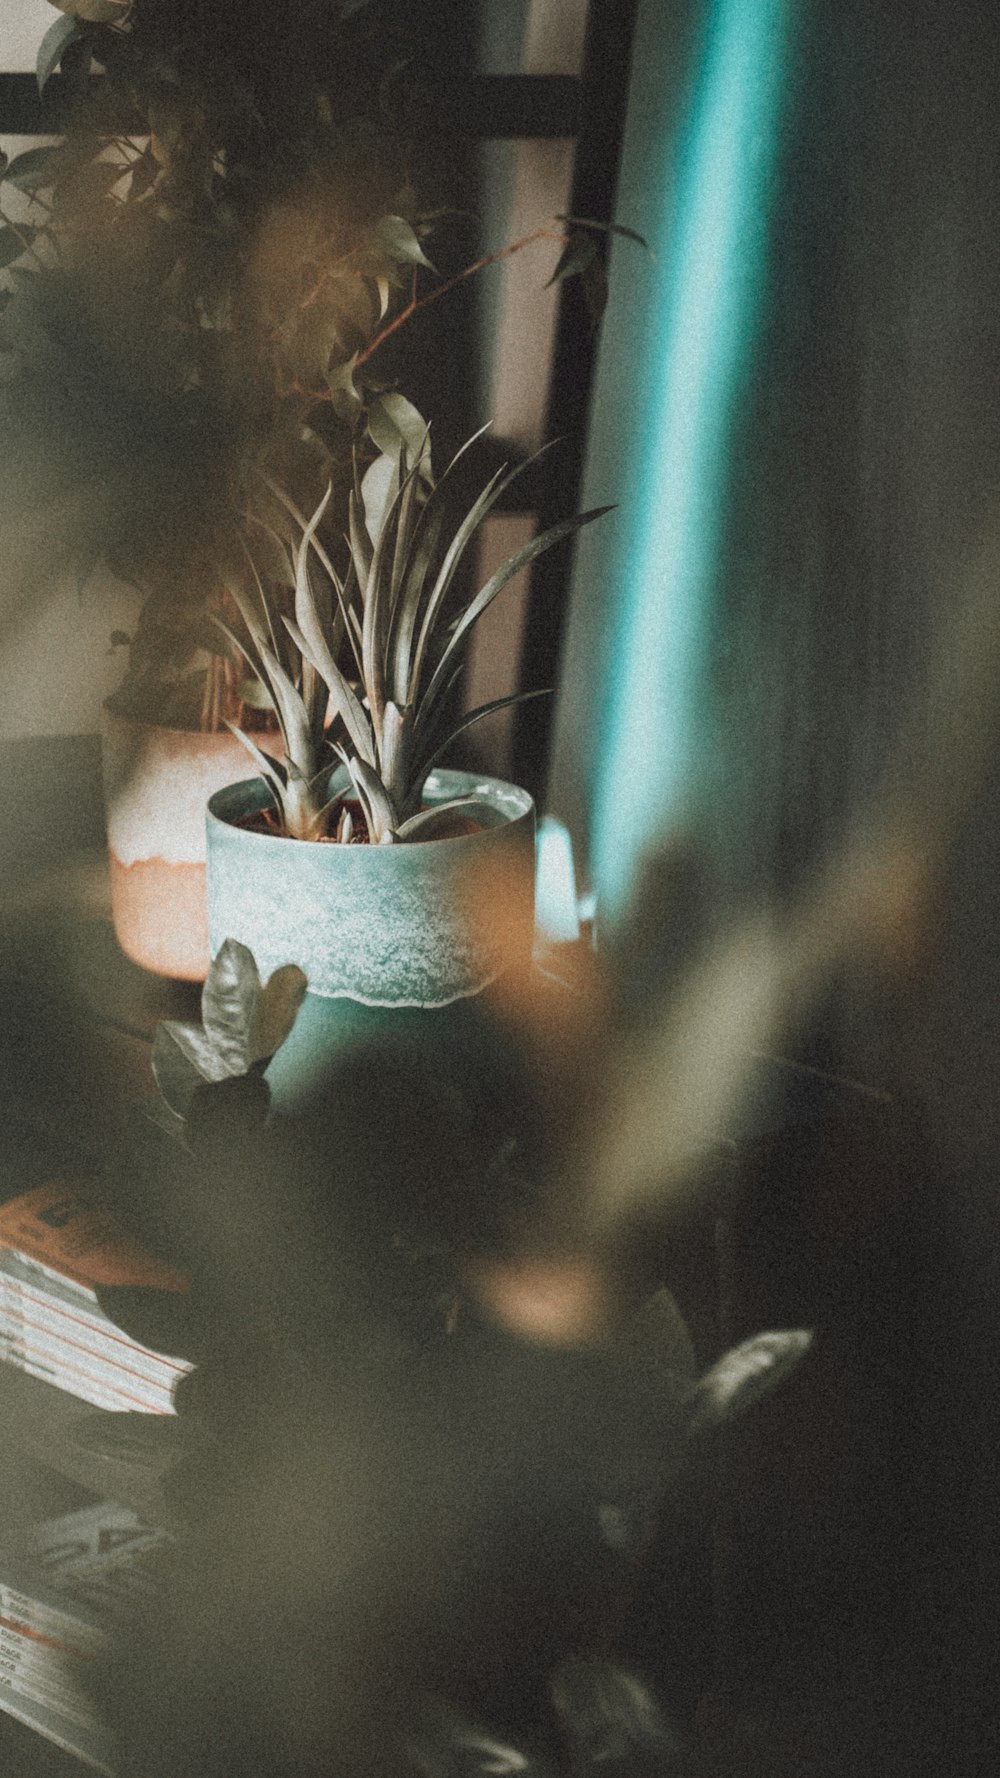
157	782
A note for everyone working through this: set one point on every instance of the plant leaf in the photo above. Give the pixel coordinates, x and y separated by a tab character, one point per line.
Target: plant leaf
428	762
379	812
34	170
577	254
229	1001
200	1048
394	424
426	823
361	544
14	242
276	1012
378	488
379	600
177	1075
456	549
57	38
522	557
609	228
307	634
269	769
745	1374
344	395
396	238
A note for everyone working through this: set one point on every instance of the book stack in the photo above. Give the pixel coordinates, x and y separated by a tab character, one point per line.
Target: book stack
55	1250
60	1594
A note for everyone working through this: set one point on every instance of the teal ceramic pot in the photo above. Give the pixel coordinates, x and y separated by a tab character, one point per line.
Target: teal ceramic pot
386	926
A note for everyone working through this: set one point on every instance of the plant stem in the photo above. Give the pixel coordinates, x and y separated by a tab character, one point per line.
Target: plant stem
424	302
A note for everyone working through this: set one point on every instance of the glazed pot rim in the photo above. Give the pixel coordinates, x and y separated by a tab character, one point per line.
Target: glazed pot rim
472	780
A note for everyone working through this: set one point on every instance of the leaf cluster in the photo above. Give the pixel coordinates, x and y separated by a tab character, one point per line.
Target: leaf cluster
189	299
391	614
244	1022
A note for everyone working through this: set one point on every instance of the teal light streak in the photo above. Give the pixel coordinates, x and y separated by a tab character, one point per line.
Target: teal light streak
711	240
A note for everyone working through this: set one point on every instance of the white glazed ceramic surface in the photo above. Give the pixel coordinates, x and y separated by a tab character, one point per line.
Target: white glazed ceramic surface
157	782
385	925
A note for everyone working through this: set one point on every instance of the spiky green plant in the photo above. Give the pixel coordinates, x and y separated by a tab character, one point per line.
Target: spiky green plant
388	619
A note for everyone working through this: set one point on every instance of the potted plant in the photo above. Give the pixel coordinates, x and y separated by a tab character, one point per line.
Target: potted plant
355	856
186	304
190	304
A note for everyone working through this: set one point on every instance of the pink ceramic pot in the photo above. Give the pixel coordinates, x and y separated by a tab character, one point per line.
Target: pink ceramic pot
157	782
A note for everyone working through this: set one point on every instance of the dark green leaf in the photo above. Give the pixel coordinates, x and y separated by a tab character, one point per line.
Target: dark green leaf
608	228
229	1002
14	242
35	169
177	1076
201	1049
397	239
576	256
57	38
428	762
521	559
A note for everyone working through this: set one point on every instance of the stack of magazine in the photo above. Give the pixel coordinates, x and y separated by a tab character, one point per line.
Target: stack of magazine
55	1250
60	1594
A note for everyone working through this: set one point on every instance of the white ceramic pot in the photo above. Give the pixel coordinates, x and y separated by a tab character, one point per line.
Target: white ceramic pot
386	926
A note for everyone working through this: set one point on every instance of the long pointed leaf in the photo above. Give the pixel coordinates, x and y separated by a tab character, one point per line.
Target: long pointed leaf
487	499
309	621
424	825
446	573
341	586
395	749
400	648
427	531
496	583
378	602
266	766
379	812
349	709
427	765
360	542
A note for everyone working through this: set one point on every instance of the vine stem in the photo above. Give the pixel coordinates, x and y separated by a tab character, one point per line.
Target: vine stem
416	303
